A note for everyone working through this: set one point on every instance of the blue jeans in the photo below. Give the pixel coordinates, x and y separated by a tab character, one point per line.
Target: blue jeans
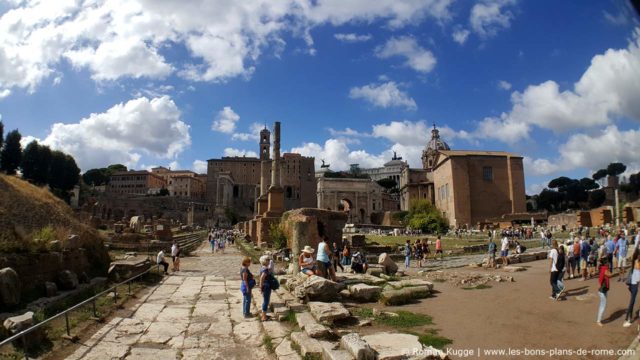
407	261
266	296
603	305
246	303
553	280
633	288
560	281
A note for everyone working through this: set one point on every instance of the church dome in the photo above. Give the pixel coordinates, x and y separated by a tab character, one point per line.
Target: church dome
436	143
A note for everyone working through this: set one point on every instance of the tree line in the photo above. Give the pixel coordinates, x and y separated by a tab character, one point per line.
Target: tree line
564	193
38	163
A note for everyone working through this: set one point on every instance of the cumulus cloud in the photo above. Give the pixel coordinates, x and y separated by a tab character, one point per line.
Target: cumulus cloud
351	37
383	95
417	57
336	152
489	16
225	121
605	91
127	38
239	152
592	152
199	166
460	36
123	133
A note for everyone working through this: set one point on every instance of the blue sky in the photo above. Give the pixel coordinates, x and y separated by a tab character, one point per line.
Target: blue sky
149	83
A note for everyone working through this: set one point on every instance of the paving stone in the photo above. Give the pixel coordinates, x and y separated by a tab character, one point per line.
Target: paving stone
148	312
284	351
138	353
248	333
163	332
275	329
393	345
308	347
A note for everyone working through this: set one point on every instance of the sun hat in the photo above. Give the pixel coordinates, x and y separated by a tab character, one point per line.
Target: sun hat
308	249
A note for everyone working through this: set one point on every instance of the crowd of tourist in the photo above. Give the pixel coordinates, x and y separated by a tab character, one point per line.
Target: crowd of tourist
606	255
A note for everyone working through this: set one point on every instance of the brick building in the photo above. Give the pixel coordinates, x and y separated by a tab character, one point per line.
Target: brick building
234	182
468	187
135	183
183	183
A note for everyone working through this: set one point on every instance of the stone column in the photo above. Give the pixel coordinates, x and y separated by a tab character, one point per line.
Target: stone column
275	164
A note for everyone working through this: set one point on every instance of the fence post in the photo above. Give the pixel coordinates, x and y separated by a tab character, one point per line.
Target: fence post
66	319
115	294
130	287
95	313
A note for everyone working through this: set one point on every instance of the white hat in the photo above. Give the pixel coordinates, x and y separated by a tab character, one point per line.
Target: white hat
308	249
264	259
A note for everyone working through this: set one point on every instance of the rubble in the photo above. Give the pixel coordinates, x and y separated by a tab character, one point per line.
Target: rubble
327	313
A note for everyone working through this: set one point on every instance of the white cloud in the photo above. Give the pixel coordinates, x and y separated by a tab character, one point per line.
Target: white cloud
238	152
199	166
405	132
351	37
417	58
489	16
607	90
127	38
26	140
336	152
225	121
123	133
383	95
504	85
535	189
347	132
460	36
252	135
592	152
4	93
539	167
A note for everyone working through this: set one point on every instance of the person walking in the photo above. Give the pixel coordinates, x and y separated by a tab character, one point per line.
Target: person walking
346	253
585	249
560	264
418	253
553	270
621	252
504	251
603	287
610	247
492	253
439	248
248	282
265	285
407	254
633	285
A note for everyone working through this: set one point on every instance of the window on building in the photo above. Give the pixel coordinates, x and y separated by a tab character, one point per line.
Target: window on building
236	191
487	173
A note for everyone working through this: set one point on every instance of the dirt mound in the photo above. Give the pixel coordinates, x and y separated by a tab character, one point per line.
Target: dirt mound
29	213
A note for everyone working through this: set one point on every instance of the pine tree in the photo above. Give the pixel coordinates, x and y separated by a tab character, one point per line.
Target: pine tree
11	154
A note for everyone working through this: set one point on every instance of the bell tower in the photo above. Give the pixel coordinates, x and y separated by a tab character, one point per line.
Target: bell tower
265	144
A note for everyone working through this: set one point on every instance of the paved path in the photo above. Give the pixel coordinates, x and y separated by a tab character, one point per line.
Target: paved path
193	314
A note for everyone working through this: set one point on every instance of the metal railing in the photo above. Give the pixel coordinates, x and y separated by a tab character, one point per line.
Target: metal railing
21	335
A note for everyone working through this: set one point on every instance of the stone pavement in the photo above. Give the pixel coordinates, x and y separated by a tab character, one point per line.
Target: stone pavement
193	314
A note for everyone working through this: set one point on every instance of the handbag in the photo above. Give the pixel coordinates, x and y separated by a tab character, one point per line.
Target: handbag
274	284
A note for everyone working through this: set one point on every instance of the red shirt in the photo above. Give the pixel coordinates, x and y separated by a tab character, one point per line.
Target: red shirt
438	245
603	270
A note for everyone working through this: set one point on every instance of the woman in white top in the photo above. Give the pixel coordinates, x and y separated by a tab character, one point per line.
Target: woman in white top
633	285
306	262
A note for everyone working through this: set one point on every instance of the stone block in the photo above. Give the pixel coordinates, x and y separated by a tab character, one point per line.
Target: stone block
19	323
364	292
510	268
331	352
309	347
357	347
397	345
327	313
402	296
389	267
317	288
10	287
